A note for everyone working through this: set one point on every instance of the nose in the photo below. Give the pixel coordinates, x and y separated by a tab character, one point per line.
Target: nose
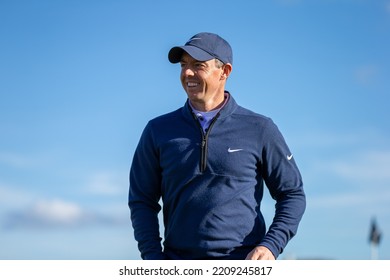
188	72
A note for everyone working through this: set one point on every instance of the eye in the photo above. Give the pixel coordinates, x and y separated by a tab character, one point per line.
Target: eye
199	65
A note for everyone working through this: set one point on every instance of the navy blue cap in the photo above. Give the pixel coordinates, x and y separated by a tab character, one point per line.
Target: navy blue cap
203	46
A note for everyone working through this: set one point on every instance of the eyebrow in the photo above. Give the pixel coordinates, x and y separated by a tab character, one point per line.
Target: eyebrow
182	60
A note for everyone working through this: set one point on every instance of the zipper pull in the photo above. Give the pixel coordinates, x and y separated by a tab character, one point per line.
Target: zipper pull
204	142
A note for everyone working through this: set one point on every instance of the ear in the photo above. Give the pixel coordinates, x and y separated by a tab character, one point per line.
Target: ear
227	69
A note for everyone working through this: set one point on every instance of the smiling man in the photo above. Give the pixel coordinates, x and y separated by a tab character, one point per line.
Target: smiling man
204	82
208	163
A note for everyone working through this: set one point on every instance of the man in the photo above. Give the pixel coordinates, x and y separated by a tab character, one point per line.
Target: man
208	162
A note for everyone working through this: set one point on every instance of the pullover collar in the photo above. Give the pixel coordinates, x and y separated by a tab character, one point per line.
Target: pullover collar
224	112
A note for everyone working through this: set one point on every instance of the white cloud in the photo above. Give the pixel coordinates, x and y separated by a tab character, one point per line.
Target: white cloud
359	181
46	213
24	207
11	196
356	199
56	213
372	166
347	170
327	139
108	183
16	160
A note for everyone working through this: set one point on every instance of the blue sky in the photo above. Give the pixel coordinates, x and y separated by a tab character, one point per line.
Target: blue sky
80	79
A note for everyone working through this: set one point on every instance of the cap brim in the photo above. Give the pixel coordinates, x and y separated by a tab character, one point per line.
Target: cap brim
176	53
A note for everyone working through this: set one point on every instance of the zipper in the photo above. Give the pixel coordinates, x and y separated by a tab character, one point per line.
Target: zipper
203	155
204	144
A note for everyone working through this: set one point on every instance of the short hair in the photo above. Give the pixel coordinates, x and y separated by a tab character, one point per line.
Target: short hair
218	63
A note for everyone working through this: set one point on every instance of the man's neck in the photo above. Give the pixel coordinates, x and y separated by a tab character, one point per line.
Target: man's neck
210	106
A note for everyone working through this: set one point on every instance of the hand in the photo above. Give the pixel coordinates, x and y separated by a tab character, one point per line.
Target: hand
260	253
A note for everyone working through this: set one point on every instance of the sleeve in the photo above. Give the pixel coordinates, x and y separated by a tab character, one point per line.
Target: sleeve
144	196
284	182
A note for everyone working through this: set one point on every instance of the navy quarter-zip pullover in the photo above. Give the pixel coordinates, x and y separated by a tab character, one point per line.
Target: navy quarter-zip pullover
211	186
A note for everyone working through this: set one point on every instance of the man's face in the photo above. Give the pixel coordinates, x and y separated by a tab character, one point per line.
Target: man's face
201	80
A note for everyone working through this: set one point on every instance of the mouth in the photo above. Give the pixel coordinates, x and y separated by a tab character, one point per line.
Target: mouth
192	84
